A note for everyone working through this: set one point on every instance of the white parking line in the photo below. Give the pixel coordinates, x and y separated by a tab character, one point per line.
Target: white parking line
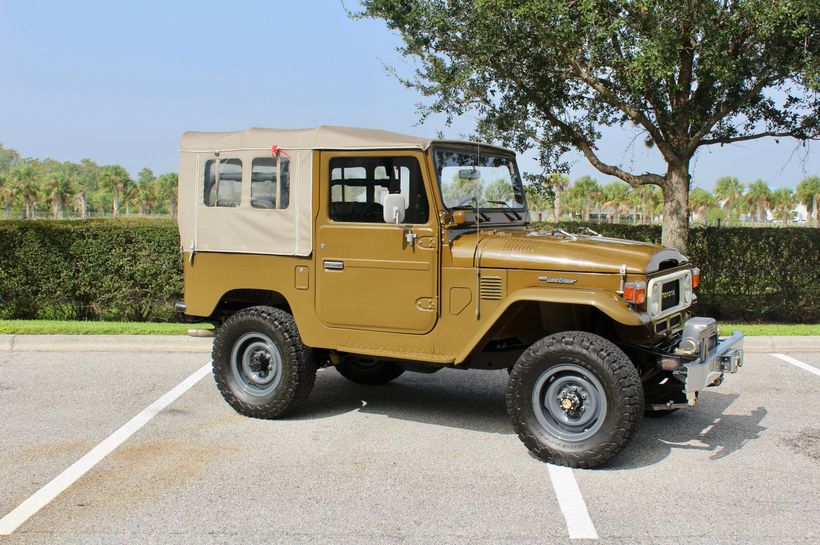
798	363
42	497
572	504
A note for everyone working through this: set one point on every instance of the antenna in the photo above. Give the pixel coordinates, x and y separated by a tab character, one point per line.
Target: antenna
476	255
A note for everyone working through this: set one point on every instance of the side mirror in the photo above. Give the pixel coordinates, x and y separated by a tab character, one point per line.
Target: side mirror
393	208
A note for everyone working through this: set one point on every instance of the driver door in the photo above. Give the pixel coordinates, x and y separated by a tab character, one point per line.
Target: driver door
372	274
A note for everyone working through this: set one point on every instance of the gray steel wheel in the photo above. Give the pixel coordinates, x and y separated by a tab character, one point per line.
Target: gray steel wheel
569	402
256	364
574	399
261	367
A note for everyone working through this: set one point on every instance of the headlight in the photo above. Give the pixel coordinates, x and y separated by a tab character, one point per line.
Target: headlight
654	305
687	288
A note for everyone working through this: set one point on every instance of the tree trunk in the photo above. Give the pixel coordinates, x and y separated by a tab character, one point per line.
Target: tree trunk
115	194
557	206
814	210
83	204
676	208
26	206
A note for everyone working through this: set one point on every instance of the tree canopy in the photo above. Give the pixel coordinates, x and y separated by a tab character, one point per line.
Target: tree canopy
548	74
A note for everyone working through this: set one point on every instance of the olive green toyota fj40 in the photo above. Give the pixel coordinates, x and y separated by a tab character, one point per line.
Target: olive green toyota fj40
379	253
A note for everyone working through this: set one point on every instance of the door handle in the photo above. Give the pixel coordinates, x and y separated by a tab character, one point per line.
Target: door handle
333	265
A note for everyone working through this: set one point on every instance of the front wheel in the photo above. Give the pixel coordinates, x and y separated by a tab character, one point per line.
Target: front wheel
575	399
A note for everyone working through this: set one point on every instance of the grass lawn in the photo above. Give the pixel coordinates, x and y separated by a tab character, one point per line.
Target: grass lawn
771	330
50	327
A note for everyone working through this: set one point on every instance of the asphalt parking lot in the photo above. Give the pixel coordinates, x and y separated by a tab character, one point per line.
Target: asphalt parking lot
427	459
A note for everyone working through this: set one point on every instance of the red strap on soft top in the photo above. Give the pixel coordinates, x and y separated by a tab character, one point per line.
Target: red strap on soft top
276	151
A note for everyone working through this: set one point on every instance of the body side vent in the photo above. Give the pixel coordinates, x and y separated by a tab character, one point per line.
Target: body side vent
491	288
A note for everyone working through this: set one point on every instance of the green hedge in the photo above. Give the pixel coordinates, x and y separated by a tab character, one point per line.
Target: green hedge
767	274
130	269
126	269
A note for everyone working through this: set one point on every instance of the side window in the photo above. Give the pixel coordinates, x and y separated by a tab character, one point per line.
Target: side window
270	186
223	182
358	186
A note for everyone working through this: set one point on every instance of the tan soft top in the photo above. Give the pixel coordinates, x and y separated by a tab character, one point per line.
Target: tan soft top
245	229
324	137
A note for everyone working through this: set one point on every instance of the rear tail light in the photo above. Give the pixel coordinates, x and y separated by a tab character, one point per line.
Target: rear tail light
635	292
695	277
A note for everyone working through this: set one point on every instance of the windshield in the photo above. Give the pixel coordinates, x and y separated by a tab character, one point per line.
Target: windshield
474	176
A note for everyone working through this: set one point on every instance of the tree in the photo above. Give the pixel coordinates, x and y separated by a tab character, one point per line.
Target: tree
8	157
700	201
549	73
56	187
616	195
558	183
25	183
167	184
783	203
729	190
808	193
115	179
85	177
144	193
588	192
758	199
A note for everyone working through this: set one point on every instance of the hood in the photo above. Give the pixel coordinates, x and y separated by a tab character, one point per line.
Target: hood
557	251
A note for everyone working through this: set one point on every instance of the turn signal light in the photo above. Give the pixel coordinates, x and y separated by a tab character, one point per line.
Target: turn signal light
635	292
695	277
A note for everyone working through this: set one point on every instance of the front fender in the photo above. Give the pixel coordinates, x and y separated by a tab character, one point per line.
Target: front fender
607	302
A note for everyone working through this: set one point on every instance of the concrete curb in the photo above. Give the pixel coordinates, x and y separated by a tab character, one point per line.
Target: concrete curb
104	343
182	343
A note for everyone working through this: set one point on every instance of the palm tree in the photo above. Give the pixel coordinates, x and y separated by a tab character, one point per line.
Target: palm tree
6	194
167	184
57	188
25	183
559	184
700	201
615	195
649	198
808	192
758	199
115	179
729	190
588	192
783	203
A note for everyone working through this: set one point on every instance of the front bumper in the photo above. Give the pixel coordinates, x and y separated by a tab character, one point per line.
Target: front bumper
708	370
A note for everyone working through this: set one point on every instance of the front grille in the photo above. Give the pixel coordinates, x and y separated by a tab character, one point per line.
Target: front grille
670	294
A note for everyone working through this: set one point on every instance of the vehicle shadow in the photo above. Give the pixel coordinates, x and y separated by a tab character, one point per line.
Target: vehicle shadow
476	401
470	400
706	428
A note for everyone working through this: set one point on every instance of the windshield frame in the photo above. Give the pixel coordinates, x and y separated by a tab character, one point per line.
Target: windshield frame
477	149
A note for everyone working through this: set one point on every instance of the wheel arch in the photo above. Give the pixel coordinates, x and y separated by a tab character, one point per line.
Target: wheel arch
235	300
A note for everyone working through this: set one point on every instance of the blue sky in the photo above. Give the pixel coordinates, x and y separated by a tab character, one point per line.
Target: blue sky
119	82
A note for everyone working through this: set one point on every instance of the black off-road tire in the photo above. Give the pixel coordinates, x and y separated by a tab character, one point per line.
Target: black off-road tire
371	373
297	368
557	357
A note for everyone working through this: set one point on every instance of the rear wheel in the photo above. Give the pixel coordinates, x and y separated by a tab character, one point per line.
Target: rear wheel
260	365
368	370
575	399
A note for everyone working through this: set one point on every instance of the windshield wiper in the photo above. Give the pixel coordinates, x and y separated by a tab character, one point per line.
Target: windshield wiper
503	203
